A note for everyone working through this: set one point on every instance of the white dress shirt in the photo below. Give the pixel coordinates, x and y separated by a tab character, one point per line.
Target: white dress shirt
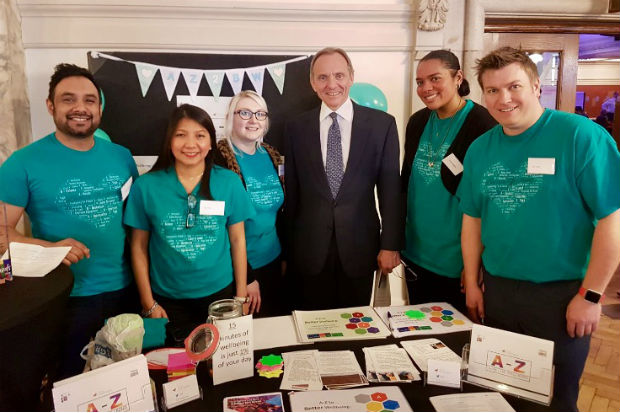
345	120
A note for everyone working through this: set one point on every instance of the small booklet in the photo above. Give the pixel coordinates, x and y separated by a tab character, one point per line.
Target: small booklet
302	371
428	349
471	402
369	399
355	323
389	363
423	319
264	402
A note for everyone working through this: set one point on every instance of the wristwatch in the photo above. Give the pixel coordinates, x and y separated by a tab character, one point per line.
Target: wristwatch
591	295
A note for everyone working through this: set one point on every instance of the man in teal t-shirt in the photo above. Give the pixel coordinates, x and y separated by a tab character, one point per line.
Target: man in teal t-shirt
542	213
72	186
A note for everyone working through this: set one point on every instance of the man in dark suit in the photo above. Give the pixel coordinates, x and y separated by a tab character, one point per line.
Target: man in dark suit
336	155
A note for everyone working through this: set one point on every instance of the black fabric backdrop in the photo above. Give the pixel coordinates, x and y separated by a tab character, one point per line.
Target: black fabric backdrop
139	123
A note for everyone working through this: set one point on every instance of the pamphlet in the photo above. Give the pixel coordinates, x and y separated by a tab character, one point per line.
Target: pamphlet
368	399
389	363
301	371
428	348
471	402
355	323
423	319
265	402
340	370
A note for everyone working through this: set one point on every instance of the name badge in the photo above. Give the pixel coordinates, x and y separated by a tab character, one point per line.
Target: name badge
126	188
281	170
453	164
541	166
212	207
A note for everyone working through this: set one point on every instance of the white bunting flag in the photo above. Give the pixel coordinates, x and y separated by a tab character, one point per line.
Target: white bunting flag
170	77
235	77
192	80
257	76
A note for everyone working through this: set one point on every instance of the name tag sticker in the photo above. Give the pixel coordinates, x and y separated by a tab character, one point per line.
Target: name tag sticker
212	207
280	170
126	188
541	166
454	165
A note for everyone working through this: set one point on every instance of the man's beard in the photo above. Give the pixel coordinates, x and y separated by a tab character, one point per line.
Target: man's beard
78	134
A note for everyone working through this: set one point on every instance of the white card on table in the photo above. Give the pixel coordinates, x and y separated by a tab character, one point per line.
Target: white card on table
212	207
181	391
454	165
234	358
511	362
444	373
541	166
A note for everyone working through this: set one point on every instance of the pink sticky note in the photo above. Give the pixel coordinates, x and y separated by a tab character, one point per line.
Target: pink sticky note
179	361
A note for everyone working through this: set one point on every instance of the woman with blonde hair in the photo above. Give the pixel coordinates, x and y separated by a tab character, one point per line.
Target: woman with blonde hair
258	165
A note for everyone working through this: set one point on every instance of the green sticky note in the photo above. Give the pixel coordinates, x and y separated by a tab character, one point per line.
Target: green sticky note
418	315
271	360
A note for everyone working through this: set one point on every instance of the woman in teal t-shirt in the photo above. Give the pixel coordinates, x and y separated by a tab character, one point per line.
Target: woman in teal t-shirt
437	139
257	165
187	213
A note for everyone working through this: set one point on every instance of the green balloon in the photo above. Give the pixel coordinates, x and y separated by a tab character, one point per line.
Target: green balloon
368	95
100	133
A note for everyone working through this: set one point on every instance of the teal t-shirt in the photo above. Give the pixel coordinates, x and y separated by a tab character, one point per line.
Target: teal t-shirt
187	262
433	226
539	226
265	191
74	194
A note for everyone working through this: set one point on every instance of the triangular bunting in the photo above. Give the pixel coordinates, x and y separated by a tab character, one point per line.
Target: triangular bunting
235	77
170	77
215	80
277	72
192	80
146	73
257	76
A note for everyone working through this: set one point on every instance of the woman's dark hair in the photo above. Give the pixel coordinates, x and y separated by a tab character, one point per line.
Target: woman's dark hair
450	62
214	157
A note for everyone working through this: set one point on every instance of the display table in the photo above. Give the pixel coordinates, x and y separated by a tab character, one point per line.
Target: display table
33	310
417	394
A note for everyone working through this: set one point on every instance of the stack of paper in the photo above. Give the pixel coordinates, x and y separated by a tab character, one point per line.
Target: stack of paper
302	371
428	349
179	365
420	319
340	370
389	363
270	366
340	324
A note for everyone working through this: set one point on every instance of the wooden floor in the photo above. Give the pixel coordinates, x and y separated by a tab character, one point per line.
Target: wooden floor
600	382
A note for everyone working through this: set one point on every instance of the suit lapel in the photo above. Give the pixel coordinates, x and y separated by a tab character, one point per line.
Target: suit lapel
359	139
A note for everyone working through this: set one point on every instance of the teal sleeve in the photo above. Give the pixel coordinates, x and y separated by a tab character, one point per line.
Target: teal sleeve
469	201
14	182
135	215
240	205
598	172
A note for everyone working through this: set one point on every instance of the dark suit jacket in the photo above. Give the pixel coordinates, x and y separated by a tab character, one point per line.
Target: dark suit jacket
312	213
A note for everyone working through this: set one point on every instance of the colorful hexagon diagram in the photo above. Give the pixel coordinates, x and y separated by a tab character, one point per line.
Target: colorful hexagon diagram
374	407
351	326
362	398
379	397
358	314
391	404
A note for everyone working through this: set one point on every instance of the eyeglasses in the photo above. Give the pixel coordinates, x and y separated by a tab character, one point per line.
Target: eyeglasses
190	221
246	114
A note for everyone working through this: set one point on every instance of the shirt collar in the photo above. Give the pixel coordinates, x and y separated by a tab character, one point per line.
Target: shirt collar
345	110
